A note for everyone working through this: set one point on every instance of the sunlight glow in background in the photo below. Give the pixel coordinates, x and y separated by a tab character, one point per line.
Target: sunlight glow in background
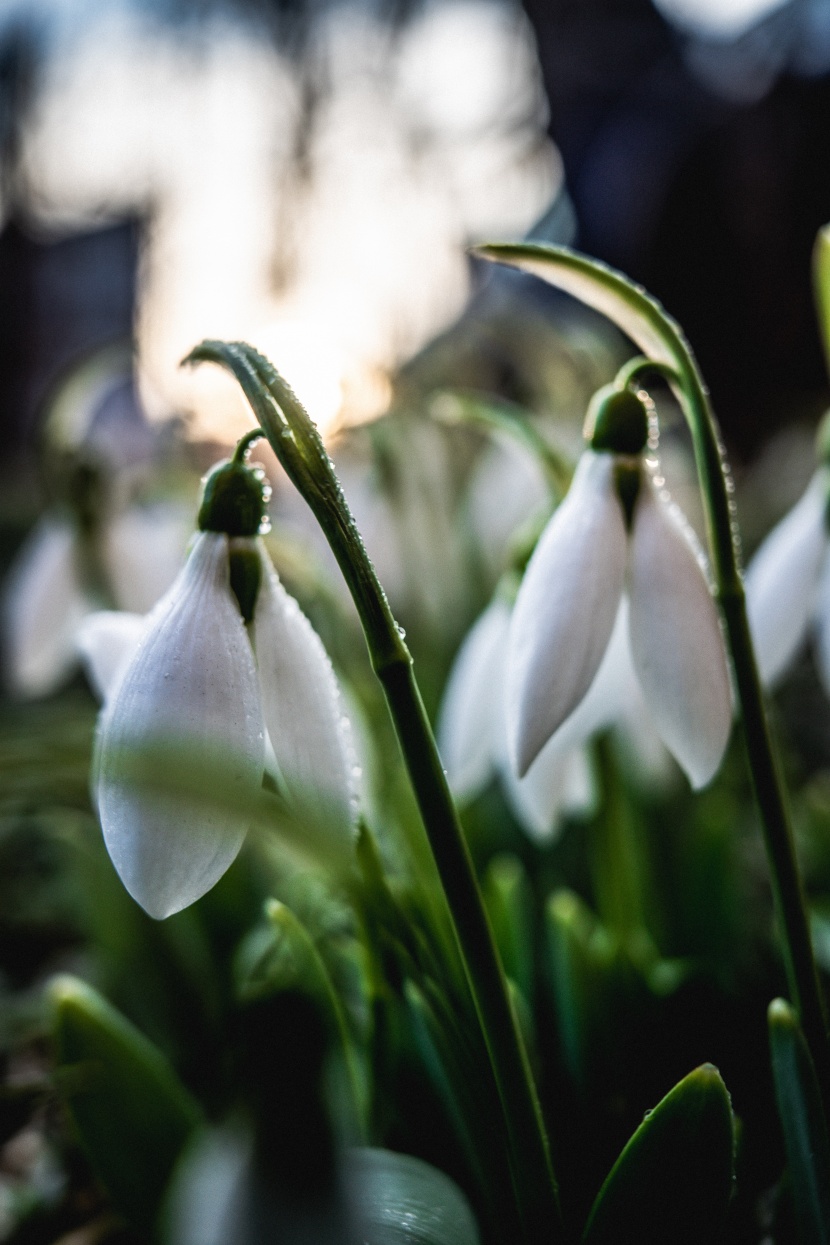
319	210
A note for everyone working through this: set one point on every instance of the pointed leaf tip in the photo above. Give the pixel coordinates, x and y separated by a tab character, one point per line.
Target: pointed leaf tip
673	1180
132	1114
803	1123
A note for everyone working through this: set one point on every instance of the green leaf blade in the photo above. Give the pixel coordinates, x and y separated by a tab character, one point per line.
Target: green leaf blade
597	285
673	1180
802	1120
132	1114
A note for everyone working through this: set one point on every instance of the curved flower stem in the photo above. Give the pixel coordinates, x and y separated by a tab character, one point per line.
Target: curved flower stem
484	411
298	446
245	444
787	887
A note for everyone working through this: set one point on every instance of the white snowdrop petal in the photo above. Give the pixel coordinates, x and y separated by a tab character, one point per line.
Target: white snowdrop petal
507	486
611	691
580	795
192	681
676	640
781	582
822	623
304	716
106	642
144	549
536	799
565	609
641	749
471	721
556	783
43	604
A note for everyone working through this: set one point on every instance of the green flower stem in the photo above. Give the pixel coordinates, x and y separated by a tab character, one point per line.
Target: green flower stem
484	411
787	888
245	445
298	446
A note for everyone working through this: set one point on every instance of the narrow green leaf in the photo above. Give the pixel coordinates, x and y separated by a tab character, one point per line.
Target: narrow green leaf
132	1114
628	305
803	1123
673	1180
821	285
402	1200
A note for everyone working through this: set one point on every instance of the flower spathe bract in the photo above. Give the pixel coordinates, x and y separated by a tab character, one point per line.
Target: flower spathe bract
195	683
568	603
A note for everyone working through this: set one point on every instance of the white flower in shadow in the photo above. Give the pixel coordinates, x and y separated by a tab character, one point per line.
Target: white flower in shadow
193	674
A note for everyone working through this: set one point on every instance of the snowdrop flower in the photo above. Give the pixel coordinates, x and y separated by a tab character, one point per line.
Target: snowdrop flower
788	586
49	590
472	737
616	532
97	546
226	665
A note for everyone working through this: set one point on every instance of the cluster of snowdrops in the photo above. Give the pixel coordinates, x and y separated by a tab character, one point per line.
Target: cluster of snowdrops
484	986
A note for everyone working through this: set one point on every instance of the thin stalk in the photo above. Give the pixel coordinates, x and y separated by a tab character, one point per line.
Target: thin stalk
788	892
484	411
298	446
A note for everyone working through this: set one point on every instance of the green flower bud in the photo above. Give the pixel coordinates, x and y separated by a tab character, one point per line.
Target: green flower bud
617	421
234	500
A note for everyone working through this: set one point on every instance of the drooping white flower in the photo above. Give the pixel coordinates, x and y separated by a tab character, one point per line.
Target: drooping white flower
569	600
472	737
47	593
788	587
195	678
43	604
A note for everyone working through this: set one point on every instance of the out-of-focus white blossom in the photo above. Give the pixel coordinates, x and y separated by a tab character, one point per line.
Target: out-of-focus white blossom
49	589
473	740
507	488
43	604
788	587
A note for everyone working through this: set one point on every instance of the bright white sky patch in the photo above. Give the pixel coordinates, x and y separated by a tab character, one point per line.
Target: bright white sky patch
339	274
717	19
